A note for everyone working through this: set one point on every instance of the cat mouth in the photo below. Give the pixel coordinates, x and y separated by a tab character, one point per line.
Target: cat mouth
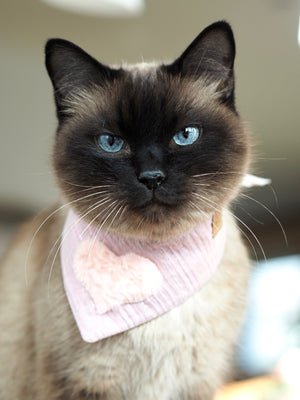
157	209
157	200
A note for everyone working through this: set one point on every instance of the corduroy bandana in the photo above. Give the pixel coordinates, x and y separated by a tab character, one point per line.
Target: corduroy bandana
114	284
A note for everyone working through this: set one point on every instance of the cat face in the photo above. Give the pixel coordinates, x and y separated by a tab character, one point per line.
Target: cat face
148	150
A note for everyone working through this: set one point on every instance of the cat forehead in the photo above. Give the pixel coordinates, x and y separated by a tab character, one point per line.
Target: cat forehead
140	82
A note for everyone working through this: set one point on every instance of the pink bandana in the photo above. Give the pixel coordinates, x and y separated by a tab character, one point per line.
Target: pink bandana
114	284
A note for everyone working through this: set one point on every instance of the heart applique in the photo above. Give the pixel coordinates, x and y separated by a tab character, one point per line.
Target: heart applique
113	280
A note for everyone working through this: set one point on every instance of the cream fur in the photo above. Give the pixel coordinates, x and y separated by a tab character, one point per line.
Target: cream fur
184	354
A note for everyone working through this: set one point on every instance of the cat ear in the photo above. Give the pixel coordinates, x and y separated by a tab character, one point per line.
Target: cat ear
211	54
71	69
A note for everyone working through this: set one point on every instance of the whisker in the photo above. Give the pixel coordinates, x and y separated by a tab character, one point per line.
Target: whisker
271	212
212	204
85	186
94	206
100	202
108	211
112	208
197	208
253	234
123	212
217	173
201	184
89	187
139	225
242	232
275	196
266	208
44	222
103	191
61	238
249	241
121	207
249	214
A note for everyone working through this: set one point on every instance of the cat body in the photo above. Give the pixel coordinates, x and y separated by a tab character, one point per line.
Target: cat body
184	354
145	152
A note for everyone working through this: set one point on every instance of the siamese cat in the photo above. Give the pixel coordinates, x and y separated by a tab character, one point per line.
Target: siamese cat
134	286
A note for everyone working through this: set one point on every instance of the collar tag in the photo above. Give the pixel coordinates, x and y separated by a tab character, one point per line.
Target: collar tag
217	222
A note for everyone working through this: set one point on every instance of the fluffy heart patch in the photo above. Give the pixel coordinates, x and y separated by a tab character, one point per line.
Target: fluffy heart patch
113	280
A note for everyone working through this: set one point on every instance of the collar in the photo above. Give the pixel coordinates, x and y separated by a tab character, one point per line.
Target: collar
114	283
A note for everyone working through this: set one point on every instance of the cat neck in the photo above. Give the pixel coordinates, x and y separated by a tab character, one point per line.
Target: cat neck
85	230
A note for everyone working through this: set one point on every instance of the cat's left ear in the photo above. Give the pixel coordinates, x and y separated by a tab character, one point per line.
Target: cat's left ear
71	69
210	55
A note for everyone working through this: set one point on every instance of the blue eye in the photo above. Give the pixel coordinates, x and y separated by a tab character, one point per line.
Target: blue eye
110	143
186	136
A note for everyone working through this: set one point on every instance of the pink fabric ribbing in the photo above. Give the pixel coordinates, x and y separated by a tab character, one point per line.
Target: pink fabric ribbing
186	265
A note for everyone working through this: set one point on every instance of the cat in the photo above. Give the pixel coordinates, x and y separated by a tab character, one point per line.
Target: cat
151	155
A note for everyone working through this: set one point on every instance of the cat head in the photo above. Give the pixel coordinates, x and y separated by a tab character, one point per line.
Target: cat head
148	150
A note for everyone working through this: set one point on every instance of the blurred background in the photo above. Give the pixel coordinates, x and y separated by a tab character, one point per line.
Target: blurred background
267	93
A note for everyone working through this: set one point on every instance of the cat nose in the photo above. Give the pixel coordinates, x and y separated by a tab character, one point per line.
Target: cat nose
152	179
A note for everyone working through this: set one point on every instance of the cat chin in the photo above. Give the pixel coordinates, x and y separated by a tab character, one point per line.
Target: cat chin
157	212
156	226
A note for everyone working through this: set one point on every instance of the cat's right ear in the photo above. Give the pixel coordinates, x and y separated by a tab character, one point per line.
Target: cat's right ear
211	55
71	69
